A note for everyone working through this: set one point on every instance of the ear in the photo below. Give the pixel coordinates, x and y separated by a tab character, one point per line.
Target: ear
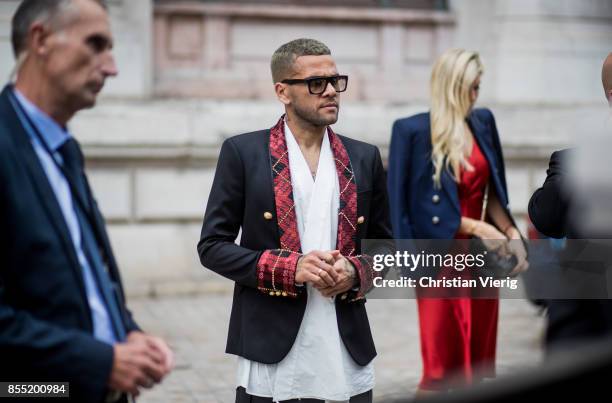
282	93
38	39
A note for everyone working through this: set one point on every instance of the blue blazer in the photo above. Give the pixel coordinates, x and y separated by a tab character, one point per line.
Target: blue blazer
46	329
418	209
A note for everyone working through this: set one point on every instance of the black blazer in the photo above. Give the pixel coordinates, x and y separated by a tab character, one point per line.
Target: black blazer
46	330
550	211
262	327
549	204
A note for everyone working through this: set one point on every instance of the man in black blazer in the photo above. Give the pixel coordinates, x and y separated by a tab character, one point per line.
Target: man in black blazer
257	190
62	309
553	210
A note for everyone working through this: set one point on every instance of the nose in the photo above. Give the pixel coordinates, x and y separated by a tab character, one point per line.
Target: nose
109	67
330	91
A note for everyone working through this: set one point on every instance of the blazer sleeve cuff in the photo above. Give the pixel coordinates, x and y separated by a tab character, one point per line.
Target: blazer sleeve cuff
276	273
365	272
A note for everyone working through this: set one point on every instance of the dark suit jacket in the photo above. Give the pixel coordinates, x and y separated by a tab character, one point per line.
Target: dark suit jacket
418	209
45	320
549	204
263	327
550	211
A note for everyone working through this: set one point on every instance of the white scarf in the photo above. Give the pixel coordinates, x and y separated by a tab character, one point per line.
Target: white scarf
316	202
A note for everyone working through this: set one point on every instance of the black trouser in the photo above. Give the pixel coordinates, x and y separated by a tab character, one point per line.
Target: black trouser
243	397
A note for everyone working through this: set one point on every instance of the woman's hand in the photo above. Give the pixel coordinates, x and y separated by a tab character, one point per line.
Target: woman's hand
517	248
485	231
492	238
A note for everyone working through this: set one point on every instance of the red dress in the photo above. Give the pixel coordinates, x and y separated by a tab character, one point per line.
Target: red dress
458	336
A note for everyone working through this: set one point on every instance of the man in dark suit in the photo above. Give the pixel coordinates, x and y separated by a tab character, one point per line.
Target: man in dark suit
62	309
304	197
554	209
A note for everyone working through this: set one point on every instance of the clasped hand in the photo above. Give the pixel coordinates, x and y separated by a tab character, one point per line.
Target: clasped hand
140	362
506	244
329	272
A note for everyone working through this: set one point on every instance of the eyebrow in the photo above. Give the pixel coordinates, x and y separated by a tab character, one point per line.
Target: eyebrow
323	76
103	39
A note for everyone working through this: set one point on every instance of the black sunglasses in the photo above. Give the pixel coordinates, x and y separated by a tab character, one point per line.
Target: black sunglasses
318	85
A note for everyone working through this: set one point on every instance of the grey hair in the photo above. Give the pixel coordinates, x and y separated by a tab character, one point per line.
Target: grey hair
32	11
284	57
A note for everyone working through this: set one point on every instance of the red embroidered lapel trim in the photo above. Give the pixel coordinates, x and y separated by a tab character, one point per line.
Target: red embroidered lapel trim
347	214
283	193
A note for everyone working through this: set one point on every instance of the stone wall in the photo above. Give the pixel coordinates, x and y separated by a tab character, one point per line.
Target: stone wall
194	73
223	51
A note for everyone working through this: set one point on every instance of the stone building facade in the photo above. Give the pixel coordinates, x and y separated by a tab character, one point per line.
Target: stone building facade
196	72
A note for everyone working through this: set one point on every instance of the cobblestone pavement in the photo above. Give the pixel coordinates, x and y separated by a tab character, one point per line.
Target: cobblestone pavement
196	328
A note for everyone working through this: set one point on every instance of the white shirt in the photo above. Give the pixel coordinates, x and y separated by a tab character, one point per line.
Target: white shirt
318	366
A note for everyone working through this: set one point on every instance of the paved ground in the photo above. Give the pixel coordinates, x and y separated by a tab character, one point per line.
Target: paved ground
196	328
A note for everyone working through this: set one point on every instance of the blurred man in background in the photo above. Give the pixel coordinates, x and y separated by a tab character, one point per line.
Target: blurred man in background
574	203
62	309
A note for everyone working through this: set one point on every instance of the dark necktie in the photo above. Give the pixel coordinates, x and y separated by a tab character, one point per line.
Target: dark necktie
73	170
84	208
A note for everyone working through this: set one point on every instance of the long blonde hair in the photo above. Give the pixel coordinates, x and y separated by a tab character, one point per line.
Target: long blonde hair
452	78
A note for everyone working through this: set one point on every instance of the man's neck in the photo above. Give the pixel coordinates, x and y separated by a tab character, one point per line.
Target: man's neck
40	94
308	137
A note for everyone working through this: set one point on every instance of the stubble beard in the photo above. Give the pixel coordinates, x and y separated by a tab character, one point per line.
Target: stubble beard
314	118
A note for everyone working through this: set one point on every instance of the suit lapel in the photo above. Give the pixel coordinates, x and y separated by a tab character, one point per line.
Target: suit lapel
480	134
347	214
283	193
87	202
41	186
283	190
100	228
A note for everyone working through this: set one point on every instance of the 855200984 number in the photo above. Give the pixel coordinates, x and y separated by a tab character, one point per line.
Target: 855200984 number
34	389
